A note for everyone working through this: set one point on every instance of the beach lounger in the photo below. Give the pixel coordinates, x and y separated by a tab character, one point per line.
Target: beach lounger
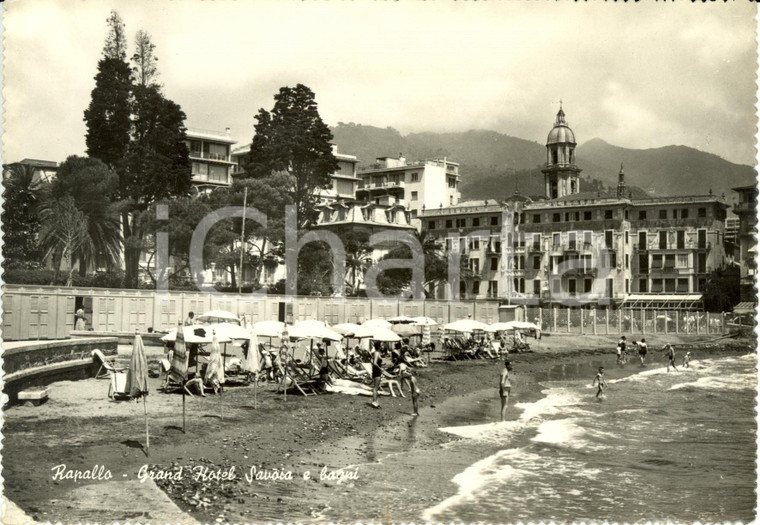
107	366
301	381
387	380
117	390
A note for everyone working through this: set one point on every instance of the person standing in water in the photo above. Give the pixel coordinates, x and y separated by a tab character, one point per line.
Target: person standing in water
686	359
642	350
505	387
599	381
671	355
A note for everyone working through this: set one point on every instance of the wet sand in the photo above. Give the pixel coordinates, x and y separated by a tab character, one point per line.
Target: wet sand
81	428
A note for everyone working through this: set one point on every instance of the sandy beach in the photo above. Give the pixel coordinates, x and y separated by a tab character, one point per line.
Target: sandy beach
236	458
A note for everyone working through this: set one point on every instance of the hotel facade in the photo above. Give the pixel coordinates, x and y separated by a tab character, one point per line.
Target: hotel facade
580	248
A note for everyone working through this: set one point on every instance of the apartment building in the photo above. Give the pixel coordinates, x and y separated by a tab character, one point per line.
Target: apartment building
210	154
344	181
416	185
603	248
746	210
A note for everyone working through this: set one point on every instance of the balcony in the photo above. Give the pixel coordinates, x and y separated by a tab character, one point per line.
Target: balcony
745	207
205	155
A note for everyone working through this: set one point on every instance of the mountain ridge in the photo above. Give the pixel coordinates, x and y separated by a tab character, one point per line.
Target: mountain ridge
494	164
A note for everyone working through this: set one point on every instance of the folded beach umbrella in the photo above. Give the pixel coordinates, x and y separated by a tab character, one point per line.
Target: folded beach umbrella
137	380
252	363
217	316
214	369
426	339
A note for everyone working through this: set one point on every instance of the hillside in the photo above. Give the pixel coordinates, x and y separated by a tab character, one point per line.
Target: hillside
496	164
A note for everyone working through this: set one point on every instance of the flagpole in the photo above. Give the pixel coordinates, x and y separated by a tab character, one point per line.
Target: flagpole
147	433
242	243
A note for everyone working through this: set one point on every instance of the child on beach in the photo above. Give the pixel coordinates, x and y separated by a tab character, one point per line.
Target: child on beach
599	380
505	387
671	355
686	359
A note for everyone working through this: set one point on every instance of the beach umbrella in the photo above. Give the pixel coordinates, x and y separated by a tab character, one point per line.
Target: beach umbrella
377	334
218	316
313	330
407	330
401	319
501	327
269	328
376	323
465	325
228	331
347	329
424	321
137	381
199	334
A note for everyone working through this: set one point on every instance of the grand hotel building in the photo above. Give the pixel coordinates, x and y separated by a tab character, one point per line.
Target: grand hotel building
608	249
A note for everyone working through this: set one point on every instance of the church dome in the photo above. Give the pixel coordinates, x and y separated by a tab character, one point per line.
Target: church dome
561	132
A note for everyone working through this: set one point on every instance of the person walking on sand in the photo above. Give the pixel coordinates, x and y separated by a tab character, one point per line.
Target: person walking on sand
505	387
600	382
671	355
377	373
642	350
407	376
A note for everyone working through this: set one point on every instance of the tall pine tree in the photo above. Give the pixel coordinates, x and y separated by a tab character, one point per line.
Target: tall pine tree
294	139
108	115
148	153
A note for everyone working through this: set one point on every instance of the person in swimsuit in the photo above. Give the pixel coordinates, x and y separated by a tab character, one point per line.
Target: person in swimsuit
505	387
407	376
599	381
686	359
642	350
377	373
621	348
671	354
324	370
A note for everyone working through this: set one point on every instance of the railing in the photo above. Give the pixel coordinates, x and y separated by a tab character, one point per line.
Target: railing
745	207
209	156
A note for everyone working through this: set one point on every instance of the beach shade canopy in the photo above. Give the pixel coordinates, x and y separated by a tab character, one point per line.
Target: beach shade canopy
269	328
401	319
525	325
376	323
137	376
252	363
347	329
218	316
215	369
227	331
465	325
199	334
406	330
313	330
424	321
377	333
501	327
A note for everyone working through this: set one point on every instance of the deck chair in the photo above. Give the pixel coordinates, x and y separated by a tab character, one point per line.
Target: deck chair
109	365
117	390
387	380
301	381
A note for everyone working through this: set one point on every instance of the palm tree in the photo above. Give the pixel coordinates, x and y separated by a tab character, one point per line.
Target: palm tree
23	191
358	261
63	231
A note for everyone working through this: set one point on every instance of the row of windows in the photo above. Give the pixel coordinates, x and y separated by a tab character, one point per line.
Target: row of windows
588	215
475	222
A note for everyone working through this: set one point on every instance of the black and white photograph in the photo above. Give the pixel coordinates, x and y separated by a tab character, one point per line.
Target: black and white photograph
379	261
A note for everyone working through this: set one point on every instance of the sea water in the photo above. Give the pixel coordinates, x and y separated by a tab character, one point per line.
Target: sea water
660	445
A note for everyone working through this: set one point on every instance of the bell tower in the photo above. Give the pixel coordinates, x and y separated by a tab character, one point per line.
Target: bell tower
561	174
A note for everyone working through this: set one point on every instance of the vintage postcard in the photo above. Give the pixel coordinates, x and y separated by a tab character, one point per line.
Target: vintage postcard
400	262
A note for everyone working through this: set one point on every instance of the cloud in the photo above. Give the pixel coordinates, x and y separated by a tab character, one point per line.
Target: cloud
636	76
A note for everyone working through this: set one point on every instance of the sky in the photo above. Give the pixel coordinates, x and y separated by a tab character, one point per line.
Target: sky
636	75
